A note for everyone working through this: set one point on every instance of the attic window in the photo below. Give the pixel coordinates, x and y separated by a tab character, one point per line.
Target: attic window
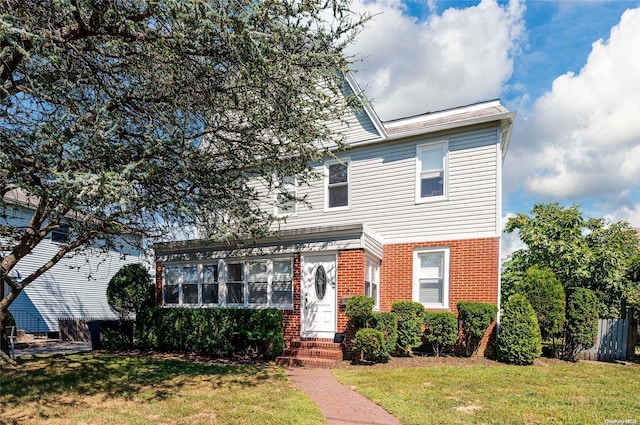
60	235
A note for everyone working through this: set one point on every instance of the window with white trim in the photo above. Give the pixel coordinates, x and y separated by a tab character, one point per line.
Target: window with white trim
431	277
337	184
286	193
191	285
431	172
258	283
235	283
371	281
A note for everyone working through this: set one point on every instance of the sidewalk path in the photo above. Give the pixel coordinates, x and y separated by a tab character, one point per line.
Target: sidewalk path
51	346
340	405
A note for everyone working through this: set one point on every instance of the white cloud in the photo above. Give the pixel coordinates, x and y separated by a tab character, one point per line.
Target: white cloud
459	57
583	137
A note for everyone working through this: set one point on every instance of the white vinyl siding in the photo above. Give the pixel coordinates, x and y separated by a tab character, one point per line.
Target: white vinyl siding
431	277
382	183
76	287
284	204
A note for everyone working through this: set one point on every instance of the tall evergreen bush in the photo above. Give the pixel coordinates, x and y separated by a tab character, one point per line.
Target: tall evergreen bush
581	328
358	310
519	339
546	295
410	320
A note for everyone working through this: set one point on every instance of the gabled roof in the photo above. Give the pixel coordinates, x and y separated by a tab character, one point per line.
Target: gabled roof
431	122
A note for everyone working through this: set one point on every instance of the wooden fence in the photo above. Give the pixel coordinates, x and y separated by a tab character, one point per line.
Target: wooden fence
615	337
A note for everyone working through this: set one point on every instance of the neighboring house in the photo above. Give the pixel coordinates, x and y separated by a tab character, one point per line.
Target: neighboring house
74	288
411	211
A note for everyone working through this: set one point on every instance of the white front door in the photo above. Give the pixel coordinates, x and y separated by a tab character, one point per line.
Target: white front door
318	296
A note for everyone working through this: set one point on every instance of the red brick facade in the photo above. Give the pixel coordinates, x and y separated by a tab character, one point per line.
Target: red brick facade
473	276
291	318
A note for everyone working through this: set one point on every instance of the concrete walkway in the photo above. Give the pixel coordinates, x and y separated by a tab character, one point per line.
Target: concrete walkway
340	405
51	346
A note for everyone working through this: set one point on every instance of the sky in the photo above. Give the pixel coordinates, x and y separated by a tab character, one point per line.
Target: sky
570	70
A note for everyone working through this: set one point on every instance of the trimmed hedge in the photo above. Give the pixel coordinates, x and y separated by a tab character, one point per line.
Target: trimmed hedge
410	320
441	330
387	323
369	345
475	319
519	338
218	332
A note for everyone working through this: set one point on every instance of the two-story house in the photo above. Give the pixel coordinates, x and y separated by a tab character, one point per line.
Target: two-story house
410	211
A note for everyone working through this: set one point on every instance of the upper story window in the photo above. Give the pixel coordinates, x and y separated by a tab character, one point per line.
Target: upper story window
431	172
337	184
60	235
286	193
431	277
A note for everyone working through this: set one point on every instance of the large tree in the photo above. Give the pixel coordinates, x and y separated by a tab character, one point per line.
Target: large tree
128	116
581	252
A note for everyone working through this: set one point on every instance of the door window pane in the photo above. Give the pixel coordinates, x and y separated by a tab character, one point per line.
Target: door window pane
320	283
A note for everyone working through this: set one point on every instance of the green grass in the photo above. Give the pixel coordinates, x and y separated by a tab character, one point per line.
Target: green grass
106	389
550	393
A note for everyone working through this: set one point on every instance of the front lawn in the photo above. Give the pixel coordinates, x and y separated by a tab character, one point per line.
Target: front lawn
106	389
552	392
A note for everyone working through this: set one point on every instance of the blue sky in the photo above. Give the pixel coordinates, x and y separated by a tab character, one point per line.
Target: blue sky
570	69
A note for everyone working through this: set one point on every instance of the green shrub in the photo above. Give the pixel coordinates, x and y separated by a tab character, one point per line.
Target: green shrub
475	319
581	328
369	345
130	290
115	340
358	310
387	323
4	340
518	338
441	330
546	295
410	320
216	332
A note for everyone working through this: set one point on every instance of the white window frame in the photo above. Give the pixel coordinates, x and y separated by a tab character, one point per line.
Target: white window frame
343	161
443	146
280	189
200	271
223	279
446	251
372	275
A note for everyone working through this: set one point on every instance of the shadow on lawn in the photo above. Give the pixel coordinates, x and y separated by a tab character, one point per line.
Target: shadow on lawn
116	377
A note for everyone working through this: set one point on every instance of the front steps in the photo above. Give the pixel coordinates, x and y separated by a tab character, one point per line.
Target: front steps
312	353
